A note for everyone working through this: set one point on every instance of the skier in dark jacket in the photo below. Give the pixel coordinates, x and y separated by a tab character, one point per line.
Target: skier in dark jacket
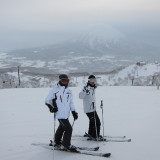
89	104
60	102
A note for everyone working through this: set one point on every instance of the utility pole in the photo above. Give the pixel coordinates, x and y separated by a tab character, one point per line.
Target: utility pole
158	81
132	79
19	82
10	83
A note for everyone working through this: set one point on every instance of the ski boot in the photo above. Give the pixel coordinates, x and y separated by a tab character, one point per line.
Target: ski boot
70	148
55	145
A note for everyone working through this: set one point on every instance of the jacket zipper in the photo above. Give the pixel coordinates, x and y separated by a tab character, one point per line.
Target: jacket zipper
61	96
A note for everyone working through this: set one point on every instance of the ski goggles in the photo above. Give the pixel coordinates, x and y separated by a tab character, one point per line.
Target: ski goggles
92	80
65	81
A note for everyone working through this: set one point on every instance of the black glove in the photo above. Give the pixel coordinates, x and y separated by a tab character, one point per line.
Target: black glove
75	115
86	90
53	109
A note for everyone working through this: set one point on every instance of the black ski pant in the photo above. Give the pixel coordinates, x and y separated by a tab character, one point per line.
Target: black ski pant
64	130
94	124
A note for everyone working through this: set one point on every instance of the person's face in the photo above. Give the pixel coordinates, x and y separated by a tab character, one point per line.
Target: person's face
65	81
92	81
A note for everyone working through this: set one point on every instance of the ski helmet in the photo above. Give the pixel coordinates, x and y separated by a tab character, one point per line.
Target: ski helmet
63	76
92	78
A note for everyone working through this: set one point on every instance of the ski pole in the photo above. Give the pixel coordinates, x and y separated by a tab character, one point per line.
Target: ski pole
54	133
73	123
101	106
95	126
54	125
54	104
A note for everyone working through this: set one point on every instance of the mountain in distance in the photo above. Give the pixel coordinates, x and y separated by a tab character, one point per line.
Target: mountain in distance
97	49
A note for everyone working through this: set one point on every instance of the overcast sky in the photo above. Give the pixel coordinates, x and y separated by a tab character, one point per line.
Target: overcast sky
25	23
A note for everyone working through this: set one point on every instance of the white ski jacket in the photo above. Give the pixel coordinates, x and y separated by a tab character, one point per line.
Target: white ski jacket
64	101
89	102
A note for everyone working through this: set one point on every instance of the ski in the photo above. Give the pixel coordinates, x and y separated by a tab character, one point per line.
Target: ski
122	137
87	153
114	137
105	139
88	148
87	135
118	140
109	140
80	148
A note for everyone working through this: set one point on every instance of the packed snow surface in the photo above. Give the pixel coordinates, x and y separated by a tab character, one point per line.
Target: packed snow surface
130	111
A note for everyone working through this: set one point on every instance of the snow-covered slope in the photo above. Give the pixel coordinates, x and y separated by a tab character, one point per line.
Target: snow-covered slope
130	111
143	75
147	74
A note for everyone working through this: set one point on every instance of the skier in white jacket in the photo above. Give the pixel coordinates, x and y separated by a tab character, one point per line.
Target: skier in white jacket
60	102
89	105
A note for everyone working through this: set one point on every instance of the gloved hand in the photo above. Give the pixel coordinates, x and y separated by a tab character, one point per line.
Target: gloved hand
75	115
85	89
53	109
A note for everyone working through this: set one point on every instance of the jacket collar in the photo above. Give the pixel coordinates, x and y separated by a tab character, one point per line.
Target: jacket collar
62	87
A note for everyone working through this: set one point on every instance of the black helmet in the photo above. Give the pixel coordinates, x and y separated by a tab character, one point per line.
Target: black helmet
63	76
91	77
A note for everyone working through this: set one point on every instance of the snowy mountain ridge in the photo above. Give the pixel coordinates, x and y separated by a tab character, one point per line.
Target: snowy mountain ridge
104	36
97	48
144	74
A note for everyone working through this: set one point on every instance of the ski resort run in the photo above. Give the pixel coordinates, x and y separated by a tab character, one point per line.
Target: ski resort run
128	111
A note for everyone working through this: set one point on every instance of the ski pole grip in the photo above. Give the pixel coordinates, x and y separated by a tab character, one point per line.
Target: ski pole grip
101	106
101	102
